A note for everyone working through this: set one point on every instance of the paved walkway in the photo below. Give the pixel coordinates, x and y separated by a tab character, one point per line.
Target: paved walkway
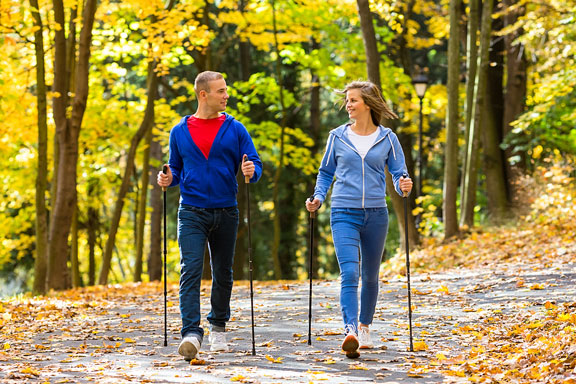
123	342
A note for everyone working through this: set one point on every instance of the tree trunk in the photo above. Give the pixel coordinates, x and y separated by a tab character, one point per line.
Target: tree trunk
240	255
145	126
451	151
142	207
279	168
515	96
67	131
492	160
373	69
470	155
92	229
398	205
315	127
369	39
74	261
156	230
40	263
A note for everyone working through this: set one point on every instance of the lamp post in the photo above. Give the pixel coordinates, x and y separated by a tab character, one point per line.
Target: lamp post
420	84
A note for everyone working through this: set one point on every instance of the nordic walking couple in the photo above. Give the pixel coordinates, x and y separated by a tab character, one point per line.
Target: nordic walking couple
206	150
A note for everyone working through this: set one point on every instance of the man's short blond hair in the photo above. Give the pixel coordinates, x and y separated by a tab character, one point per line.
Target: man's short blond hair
203	78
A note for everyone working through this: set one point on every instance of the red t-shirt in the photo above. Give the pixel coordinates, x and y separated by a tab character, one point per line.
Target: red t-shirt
203	131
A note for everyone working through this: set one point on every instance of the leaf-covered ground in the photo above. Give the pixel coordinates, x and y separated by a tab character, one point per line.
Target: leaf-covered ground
514	323
495	306
526	340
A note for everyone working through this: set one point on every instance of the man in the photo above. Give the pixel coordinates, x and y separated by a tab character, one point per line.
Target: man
206	150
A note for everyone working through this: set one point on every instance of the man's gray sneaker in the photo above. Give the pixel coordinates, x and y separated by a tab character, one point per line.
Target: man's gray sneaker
189	347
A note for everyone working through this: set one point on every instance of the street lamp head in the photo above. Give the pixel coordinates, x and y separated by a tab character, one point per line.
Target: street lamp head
420	84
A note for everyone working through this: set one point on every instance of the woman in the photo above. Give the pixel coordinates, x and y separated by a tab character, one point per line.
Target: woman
357	154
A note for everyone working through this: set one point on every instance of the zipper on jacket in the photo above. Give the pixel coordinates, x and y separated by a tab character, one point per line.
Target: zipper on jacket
362	158
363	175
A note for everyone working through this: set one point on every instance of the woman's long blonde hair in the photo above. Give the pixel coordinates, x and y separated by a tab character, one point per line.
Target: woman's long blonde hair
372	97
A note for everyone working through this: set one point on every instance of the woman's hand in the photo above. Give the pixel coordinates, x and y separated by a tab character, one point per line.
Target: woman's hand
312	206
405	185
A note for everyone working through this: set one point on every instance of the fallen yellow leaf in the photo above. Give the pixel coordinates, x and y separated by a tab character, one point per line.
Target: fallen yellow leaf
420	346
443	289
30	371
273	360
197	362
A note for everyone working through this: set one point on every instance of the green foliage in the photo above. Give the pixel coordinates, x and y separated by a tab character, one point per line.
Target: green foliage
548	127
548	32
321	39
262	93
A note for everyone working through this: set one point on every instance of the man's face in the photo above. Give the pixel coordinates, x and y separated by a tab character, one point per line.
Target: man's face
217	98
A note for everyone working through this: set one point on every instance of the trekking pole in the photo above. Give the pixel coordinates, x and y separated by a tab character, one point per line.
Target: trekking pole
164	170
247	182
407	244
311	254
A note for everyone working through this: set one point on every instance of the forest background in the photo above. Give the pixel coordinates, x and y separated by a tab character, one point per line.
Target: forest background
90	90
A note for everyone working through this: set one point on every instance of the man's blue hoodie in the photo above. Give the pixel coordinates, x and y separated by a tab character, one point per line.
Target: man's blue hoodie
211	182
360	183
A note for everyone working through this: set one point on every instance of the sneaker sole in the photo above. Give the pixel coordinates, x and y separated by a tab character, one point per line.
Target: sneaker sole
350	346
353	355
218	349
188	350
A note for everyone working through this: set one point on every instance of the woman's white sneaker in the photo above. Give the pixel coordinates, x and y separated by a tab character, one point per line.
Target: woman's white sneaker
364	338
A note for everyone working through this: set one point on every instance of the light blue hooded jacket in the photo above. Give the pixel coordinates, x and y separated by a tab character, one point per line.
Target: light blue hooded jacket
360	183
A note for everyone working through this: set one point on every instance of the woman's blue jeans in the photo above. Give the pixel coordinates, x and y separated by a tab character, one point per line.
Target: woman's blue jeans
359	237
196	227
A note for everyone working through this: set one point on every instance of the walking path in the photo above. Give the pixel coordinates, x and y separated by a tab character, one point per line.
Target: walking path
77	338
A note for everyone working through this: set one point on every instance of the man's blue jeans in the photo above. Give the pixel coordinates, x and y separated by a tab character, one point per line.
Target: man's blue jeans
359	237
218	227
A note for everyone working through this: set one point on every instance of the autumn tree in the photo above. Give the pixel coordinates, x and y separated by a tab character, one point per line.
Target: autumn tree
452	122
468	185
67	132
41	260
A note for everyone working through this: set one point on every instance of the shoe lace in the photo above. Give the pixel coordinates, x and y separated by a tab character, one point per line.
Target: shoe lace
364	333
218	338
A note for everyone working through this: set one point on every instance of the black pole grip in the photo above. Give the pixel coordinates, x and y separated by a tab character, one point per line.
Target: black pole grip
164	171
405	175
312	214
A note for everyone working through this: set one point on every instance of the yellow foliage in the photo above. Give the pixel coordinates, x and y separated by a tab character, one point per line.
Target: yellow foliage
273	360
420	346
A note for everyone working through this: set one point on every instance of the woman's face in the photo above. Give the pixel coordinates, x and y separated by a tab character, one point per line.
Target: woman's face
355	105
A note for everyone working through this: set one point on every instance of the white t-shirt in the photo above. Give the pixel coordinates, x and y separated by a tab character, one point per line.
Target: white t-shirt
362	143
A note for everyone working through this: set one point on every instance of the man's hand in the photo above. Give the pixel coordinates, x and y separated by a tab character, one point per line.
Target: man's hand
248	167
164	179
